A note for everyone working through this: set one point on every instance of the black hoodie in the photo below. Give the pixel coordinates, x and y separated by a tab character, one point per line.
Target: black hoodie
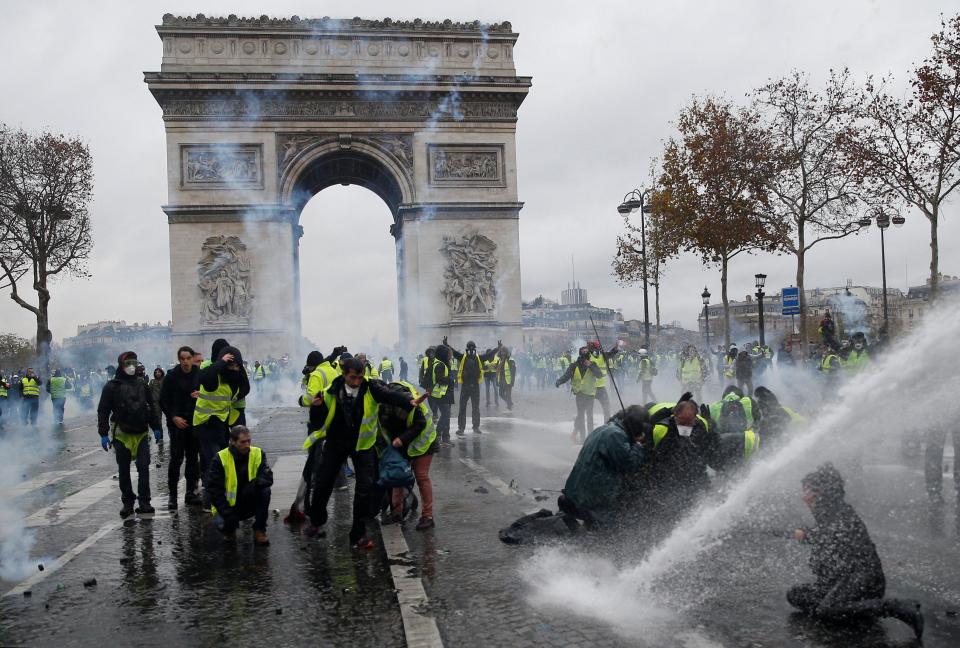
238	380
128	402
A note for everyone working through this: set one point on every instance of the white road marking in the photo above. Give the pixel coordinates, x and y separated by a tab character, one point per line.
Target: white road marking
78	502
489	477
86	454
62	560
40	481
287	471
419	629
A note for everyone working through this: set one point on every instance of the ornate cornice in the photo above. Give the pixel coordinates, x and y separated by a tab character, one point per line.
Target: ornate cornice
327	24
306	106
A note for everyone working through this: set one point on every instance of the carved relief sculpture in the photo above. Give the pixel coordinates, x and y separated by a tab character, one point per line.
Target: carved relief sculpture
220	166
224	281
466	165
469	286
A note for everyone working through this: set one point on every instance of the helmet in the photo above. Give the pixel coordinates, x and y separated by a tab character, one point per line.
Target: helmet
642	352
732	347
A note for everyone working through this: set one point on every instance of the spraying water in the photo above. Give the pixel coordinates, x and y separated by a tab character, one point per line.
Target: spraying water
912	383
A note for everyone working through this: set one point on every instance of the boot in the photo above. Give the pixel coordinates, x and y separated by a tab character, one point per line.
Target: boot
192	499
127	510
172	502
146	509
425	523
260	538
906	610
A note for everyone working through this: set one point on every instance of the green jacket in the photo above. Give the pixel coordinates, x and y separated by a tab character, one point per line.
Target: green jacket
607	461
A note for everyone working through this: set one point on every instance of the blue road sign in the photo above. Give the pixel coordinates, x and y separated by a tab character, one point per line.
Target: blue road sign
790	300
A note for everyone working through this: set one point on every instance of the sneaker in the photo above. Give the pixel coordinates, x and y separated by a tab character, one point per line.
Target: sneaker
146	509
477	431
461	433
127	510
260	539
425	523
363	544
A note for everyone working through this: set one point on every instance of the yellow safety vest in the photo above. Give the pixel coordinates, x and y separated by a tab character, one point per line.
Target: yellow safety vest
219	403
386	365
856	361
729	366
439	391
370	372
507	376
428	435
751	443
58	388
230	472
584	384
259	373
601	361
318	381
690	370
30	387
646	369
3	390
490	367
466	359
369	424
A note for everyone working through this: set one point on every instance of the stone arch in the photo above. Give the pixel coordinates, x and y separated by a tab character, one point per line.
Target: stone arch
263	113
362	162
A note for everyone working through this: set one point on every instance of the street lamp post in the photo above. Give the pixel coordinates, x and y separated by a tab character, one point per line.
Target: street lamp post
883	222
761	279
705	295
632	202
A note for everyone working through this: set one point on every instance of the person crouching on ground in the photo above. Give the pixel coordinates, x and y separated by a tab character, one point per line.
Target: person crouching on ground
608	462
239	485
850	582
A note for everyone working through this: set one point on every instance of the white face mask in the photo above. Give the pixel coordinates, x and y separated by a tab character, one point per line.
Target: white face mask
684	430
130	370
857	346
351	391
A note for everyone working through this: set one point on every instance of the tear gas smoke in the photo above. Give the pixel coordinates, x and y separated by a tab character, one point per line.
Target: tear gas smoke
916	382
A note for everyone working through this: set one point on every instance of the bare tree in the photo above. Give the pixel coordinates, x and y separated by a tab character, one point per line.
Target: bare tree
814	193
46	182
712	194
911	147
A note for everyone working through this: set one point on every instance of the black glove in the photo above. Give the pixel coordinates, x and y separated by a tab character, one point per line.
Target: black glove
445	341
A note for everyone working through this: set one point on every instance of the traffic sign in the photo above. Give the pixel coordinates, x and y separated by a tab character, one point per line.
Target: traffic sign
790	300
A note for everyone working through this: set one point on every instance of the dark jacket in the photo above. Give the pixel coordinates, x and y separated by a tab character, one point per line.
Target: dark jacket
404	368
677	467
128	402
440	375
238	380
840	545
744	366
216	480
345	427
175	393
607	461
473	371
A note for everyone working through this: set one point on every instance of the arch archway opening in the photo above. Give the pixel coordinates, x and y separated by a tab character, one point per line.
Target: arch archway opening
348	270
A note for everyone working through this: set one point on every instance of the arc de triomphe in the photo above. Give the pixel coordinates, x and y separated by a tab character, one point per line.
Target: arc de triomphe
261	114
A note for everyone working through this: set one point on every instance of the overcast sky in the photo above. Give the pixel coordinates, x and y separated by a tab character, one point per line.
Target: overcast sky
608	79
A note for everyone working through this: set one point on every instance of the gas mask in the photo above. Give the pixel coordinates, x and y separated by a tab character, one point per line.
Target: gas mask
857	346
684	430
130	369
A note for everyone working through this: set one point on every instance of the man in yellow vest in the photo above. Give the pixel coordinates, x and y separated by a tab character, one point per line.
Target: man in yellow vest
469	377
602	359
584	374
426	363
57	387
490	380
506	376
223	384
126	407
386	369
239	487
441	390
646	372
345	416
259	375
30	397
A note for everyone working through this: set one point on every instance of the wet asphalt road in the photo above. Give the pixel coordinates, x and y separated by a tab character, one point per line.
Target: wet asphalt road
170	581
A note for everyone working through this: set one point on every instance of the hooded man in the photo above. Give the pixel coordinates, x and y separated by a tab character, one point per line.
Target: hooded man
223	385
127	408
441	390
850	581
596	490
470	377
57	387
